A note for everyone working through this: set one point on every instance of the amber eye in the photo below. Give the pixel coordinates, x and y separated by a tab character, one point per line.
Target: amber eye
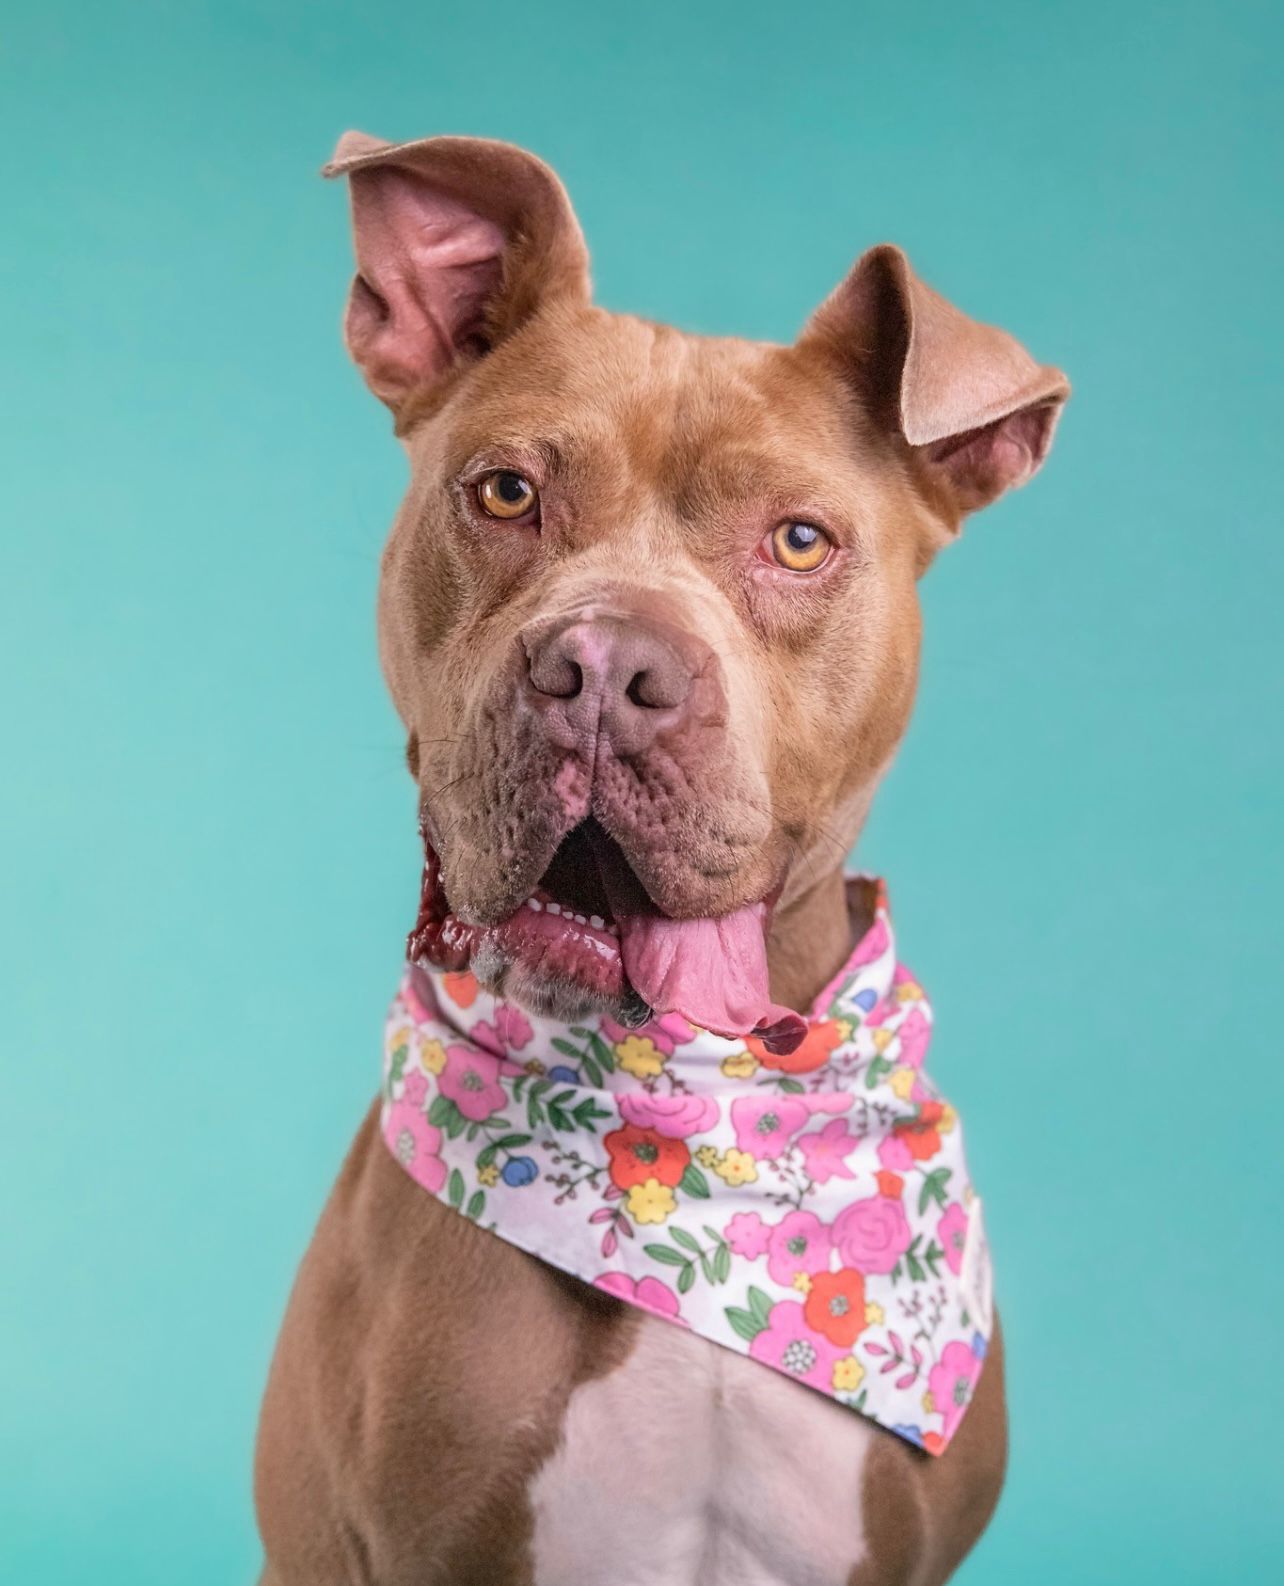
801	547
505	494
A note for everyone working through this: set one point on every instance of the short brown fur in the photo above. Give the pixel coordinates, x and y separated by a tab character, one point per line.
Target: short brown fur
662	459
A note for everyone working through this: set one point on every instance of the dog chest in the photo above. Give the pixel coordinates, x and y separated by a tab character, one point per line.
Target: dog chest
690	1464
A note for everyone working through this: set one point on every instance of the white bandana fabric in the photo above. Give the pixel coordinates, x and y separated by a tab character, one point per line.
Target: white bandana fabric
812	1211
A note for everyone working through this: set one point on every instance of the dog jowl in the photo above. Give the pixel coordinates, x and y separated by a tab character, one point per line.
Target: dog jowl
648	610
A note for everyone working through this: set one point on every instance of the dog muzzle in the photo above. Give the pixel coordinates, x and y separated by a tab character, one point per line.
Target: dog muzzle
811	1210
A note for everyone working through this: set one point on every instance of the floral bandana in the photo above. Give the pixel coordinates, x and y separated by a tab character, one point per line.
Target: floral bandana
813	1210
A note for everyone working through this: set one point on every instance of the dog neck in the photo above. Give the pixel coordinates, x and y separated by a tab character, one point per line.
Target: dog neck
811	937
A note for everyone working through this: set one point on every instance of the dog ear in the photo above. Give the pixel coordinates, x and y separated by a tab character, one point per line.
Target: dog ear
976	410
458	241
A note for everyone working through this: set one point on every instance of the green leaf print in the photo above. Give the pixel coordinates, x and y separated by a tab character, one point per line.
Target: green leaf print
476	1205
586	1111
455	1188
681	1237
934	1189
745	1323
686	1278
441	1111
667	1255
694	1182
760	1305
602	1053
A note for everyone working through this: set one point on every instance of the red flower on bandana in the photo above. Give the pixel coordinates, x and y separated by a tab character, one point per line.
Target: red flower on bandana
836	1306
921	1137
461	987
813	1053
641	1154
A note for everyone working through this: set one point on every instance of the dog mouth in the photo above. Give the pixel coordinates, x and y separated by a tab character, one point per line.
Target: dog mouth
590	936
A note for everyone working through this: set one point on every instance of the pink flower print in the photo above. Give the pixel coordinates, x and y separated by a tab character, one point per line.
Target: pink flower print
765	1125
824	1149
668	1031
748	1235
872	945
649	1293
471	1080
951	1382
676	1117
788	1344
915	1034
415	1143
800	1242
894	1154
512	1027
872	1235
415	1089
951	1230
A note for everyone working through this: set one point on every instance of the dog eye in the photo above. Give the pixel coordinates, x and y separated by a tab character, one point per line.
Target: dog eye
799	547
505	494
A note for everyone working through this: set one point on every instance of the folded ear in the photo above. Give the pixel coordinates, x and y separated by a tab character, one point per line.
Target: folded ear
974	407
458	242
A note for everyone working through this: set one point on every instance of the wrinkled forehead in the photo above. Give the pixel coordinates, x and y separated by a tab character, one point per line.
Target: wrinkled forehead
689	421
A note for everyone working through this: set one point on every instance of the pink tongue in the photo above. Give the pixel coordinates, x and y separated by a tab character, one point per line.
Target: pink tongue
712	972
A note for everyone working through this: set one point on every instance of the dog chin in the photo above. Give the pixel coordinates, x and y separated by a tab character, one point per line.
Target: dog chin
553	996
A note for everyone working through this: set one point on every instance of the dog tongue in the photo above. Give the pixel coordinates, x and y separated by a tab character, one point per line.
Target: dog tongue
712	972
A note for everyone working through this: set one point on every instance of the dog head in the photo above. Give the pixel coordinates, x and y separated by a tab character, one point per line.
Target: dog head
648	610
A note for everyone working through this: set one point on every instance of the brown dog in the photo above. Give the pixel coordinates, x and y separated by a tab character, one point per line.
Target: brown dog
662	587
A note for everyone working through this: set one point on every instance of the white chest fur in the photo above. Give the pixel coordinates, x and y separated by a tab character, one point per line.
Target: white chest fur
690	1465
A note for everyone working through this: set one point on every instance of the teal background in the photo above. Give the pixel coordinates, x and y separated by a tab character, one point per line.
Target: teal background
208	837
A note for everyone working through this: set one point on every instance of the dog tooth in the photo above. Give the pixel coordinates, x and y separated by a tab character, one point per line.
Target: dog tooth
554	908
534	903
580	919
596	921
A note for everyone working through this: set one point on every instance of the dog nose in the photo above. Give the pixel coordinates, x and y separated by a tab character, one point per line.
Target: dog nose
617	675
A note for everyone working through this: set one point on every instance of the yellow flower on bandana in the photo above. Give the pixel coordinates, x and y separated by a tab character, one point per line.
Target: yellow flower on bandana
707	1155
902	1082
873	1314
802	1282
947	1120
640	1056
909	991
488	1175
929	1403
534	1066
848	1374
882	1038
740	1065
651	1202
846	1028
432	1054
736	1167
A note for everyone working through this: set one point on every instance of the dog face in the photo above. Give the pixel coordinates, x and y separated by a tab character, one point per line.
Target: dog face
648	611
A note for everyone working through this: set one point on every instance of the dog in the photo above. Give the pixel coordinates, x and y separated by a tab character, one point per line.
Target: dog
649	606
